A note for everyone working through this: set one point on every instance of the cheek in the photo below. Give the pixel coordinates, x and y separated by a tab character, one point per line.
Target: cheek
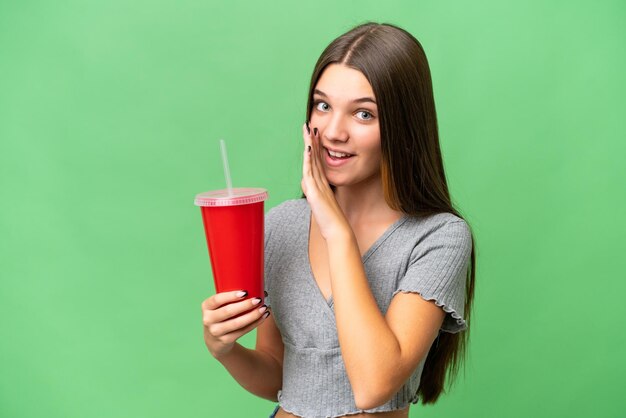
367	133
317	120
372	144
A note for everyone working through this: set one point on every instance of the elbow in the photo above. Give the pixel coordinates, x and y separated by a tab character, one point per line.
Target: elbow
370	397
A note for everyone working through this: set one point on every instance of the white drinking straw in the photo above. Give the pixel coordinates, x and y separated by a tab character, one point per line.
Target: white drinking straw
229	183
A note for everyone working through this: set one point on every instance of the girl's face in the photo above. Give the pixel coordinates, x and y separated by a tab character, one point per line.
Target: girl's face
345	113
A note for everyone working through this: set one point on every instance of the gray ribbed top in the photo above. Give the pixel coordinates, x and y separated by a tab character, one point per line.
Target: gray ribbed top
427	255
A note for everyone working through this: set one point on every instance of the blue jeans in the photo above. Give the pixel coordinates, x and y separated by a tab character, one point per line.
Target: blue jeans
275	411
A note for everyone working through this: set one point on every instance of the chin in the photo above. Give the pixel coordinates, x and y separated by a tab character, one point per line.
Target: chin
340	183
345	182
337	182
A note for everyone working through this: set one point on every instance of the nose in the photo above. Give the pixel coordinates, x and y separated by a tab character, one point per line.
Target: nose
336	129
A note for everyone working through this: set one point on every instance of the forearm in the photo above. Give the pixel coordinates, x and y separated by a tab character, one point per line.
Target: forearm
256	371
369	347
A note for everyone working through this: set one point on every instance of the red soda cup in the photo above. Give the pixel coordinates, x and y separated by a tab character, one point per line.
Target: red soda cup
234	229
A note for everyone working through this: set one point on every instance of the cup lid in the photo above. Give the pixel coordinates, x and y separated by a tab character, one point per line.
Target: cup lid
239	196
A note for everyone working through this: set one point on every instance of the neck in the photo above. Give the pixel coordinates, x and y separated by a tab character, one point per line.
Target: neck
365	202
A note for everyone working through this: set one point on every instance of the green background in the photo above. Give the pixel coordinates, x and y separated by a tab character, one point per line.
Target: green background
110	115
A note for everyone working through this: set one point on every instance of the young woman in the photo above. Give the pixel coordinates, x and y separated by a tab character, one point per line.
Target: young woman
370	275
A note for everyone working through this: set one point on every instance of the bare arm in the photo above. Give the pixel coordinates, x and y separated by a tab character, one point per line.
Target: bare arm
380	352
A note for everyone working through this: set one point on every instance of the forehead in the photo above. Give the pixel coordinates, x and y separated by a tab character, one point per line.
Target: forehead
341	82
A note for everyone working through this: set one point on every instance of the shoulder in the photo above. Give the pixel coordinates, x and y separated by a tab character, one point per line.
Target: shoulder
442	222
285	224
287	209
437	231
288	213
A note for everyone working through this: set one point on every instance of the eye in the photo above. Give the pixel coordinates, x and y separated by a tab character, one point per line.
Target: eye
364	115
322	106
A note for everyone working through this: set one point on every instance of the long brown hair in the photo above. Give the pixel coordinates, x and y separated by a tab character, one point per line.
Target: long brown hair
412	170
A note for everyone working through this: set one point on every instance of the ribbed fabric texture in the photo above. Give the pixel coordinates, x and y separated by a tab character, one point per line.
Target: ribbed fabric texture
428	256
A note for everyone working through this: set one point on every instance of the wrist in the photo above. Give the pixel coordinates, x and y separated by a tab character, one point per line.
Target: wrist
217	349
224	353
340	236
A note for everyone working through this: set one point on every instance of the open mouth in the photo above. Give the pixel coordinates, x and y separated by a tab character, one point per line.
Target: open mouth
338	155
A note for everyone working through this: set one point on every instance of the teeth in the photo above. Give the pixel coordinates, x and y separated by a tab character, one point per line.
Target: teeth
337	154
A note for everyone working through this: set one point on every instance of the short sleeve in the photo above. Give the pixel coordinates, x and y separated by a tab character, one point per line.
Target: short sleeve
268	251
437	271
268	225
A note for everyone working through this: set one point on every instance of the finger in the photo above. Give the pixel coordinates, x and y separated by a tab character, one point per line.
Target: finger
220	329
235	335
223	298
314	154
224	313
306	160
304	188
318	170
306	172
306	136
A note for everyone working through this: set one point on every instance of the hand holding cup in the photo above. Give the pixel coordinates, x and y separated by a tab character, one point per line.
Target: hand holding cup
227	316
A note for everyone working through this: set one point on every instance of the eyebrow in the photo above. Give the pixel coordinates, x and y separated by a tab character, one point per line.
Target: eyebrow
360	100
